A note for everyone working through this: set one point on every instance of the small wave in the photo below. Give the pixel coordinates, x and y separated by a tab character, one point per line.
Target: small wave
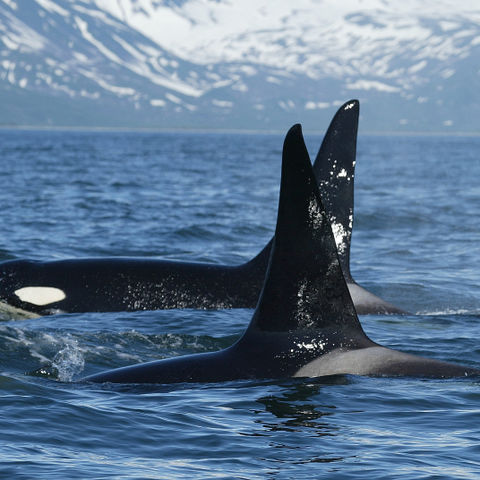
68	362
64	356
449	311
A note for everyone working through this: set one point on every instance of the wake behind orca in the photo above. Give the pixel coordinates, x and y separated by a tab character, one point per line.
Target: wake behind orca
305	324
125	284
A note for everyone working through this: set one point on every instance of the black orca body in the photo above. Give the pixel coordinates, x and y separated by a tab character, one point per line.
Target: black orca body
334	169
126	284
129	284
305	324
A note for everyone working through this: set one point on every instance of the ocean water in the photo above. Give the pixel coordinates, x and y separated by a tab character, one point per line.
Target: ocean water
213	198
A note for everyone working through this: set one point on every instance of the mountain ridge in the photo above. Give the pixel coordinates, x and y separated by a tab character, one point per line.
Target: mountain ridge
199	64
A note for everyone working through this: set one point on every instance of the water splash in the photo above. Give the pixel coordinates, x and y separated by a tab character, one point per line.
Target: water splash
69	361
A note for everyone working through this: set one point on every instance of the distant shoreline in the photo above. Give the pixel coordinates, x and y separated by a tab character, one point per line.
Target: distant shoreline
226	131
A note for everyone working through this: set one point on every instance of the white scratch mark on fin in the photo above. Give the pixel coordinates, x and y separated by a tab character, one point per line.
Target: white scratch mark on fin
40	295
340	235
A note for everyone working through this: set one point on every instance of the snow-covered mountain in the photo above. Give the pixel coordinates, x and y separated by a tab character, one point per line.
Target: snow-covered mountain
248	64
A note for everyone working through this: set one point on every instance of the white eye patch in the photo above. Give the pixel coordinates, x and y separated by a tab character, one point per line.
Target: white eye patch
40	295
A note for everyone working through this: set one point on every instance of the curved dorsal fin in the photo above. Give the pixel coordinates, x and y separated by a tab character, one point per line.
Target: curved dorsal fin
334	169
304	287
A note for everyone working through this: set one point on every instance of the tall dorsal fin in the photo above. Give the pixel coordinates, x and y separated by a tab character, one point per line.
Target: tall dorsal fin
334	169
335	160
304	287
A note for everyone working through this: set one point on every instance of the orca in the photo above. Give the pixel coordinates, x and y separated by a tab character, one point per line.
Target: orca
305	324
334	169
126	284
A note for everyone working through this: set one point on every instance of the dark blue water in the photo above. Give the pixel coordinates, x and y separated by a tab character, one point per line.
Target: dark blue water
208	197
